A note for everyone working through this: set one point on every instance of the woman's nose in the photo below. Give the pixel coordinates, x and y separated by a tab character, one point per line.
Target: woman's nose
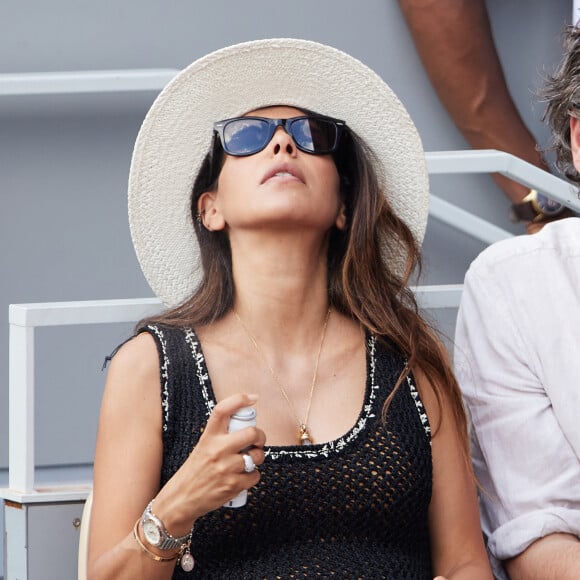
282	142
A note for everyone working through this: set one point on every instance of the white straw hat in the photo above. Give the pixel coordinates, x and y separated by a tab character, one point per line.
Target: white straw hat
177	134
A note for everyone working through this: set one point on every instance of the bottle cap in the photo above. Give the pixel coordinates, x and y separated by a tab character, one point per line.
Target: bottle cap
245	414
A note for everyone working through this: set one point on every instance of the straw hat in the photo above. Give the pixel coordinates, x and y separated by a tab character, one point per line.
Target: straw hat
177	133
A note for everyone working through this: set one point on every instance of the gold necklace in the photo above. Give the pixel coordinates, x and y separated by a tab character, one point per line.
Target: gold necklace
304	437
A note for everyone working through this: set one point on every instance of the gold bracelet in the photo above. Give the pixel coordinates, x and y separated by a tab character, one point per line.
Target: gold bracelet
151	554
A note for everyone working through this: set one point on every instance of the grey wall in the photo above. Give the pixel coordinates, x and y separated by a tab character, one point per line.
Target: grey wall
64	159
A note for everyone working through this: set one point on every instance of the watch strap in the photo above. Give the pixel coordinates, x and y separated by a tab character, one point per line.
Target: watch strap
168	542
523	212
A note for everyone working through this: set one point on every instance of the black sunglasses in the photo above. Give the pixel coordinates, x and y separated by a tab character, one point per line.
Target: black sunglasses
314	134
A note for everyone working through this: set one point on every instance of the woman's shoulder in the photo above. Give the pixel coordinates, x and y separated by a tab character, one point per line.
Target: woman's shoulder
137	357
142	352
132	388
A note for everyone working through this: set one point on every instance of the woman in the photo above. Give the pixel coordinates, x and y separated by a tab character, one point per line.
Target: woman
307	228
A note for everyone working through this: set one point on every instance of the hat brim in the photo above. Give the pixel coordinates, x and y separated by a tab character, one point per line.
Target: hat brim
177	133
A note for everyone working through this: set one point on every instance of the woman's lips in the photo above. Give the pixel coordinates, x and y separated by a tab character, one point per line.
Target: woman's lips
283	172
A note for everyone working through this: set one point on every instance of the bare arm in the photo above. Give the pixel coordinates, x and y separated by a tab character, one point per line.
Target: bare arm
554	557
457	547
455	44
128	465
135	467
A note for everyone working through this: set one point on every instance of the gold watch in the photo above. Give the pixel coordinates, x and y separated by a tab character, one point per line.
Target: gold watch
535	207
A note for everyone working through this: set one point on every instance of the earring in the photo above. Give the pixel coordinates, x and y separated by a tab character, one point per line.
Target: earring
199	216
199	219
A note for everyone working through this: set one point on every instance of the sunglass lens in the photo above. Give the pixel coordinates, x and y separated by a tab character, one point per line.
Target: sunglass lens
245	136
314	134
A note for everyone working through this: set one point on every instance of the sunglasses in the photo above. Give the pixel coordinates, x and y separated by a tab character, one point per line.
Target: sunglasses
314	134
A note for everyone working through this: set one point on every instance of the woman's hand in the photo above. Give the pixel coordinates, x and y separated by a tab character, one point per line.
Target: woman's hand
126	477
214	472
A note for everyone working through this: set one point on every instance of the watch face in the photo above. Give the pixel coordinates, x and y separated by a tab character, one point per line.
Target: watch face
548	206
151	533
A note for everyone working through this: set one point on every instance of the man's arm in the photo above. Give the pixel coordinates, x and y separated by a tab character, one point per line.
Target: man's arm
455	44
554	557
523	460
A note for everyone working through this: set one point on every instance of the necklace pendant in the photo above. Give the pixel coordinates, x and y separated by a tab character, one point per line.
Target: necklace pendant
304	436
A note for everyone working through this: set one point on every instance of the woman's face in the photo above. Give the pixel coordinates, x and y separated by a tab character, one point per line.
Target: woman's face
279	186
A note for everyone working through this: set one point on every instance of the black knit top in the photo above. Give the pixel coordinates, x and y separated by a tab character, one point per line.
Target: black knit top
351	508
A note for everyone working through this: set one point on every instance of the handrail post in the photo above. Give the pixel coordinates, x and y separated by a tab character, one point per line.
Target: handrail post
21	409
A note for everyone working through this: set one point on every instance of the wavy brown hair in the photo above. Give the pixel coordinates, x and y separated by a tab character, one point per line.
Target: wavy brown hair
562	95
365	279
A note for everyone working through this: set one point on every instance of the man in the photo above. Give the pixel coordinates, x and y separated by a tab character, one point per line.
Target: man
518	361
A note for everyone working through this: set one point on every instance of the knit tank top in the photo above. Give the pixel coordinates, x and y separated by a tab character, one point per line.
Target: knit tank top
355	507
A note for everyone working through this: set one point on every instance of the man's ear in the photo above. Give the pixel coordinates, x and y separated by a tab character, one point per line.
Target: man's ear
209	213
575	141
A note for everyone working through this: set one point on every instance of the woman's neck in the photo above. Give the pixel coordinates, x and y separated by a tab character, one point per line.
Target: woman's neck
282	288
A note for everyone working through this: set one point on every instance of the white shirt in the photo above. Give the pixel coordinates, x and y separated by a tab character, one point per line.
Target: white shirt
517	359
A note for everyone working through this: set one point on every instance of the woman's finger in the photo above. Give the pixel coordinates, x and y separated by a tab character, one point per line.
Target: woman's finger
220	416
256	456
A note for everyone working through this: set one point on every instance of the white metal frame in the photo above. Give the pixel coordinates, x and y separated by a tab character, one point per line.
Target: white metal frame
492	161
76	82
23	319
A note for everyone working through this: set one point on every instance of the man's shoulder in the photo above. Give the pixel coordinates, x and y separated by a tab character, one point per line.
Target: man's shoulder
557	238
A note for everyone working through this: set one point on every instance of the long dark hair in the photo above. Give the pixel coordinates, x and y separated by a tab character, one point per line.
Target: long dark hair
367	279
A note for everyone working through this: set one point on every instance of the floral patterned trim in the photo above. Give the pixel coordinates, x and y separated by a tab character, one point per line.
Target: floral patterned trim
201	369
164	375
420	408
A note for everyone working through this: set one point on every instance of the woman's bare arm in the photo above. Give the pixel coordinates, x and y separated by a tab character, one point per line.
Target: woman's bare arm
457	546
128	462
